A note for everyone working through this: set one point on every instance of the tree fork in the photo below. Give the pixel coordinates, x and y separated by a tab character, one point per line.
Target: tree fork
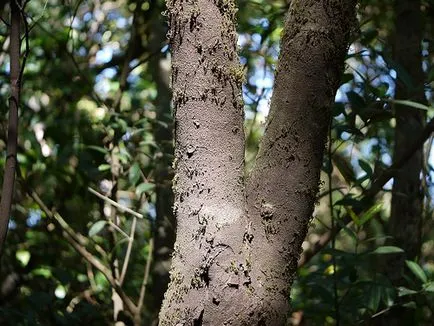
238	243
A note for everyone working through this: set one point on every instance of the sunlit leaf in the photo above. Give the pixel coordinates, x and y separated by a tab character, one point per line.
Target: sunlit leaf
42	271
97	148
23	256
134	174
370	213
428	287
403	291
144	187
387	250
96	228
104	167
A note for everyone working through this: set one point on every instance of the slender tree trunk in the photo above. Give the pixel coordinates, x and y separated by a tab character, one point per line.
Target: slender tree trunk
14	100
407	201
164	232
238	243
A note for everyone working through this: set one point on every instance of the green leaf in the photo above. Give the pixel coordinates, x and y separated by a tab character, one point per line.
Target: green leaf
149	143
428	287
350	232
370	213
389	296
42	271
144	187
387	250
96	228
374	297
417	270
104	167
23	256
98	149
134	174
403	291
345	168
411	305
162	124
353	216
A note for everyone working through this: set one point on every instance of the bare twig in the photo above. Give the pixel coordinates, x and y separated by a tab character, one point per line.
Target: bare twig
78	241
128	253
113	203
117	228
104	270
91	276
79	238
146	275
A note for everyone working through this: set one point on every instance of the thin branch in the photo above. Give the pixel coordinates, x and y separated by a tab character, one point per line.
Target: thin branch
4	22
75	240
113	203
27	42
125	69
146	275
79	238
117	228
91	276
104	270
128	253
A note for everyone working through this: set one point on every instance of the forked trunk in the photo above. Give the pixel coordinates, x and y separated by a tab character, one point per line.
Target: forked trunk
238	242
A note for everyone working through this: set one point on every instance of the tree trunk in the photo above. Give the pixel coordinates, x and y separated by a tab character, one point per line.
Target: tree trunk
238	243
407	201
